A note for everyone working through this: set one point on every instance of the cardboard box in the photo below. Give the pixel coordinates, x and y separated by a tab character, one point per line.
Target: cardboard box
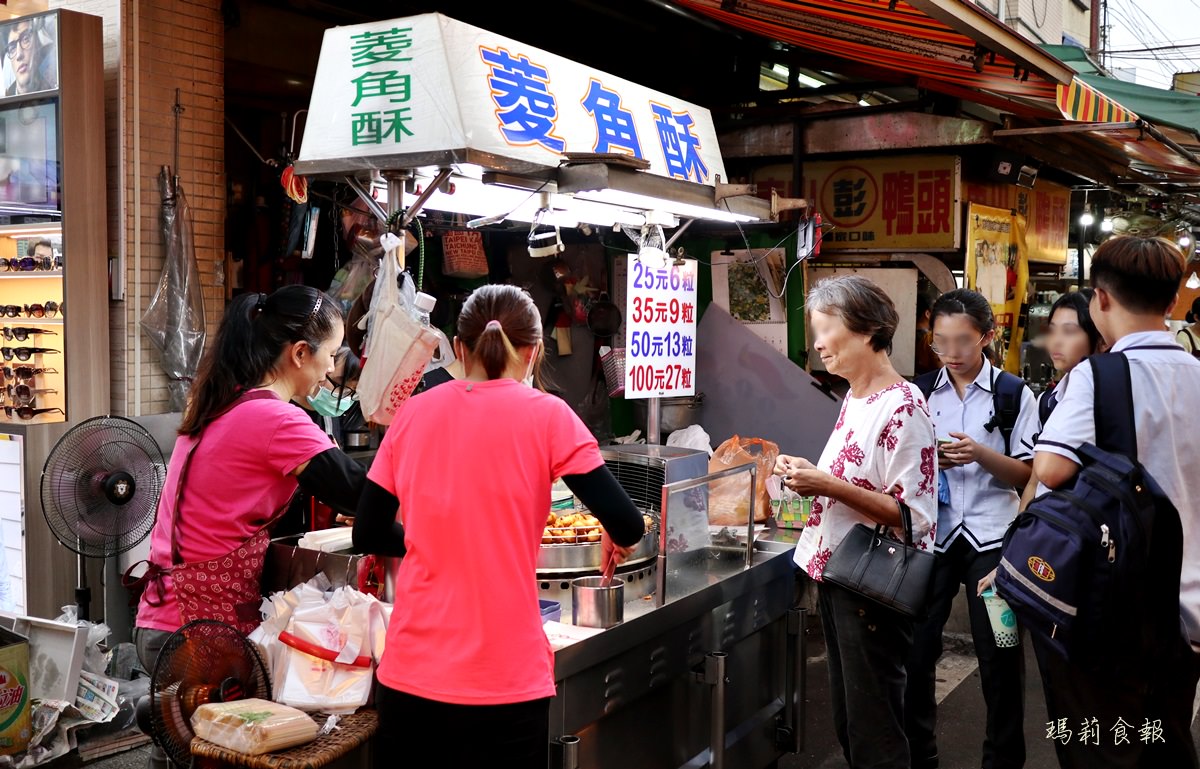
15	707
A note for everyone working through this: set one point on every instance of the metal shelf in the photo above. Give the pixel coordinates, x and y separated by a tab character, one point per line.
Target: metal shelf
32	274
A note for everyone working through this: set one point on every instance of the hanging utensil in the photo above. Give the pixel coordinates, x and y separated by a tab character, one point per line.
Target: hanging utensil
604	318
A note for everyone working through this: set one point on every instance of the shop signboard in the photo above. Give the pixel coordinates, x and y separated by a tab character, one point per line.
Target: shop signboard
898	204
1046	208
660	327
428	85
997	268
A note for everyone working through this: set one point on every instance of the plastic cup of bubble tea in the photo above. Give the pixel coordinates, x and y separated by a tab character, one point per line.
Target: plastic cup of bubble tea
1004	621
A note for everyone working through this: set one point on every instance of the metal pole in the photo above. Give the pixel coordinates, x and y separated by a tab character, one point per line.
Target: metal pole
395	187
653	419
566	749
83	594
714	675
660	597
1082	246
750	522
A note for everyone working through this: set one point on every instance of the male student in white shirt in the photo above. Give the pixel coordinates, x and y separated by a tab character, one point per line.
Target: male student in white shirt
1140	717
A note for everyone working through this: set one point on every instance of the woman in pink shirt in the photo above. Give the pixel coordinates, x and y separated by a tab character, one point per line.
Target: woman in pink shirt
461	488
242	451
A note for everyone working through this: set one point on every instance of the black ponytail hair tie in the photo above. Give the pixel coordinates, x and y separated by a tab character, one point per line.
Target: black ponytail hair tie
259	306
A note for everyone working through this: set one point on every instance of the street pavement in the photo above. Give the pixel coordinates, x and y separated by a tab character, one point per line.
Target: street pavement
961	712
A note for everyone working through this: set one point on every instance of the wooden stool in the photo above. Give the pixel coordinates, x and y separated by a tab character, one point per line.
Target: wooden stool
340	747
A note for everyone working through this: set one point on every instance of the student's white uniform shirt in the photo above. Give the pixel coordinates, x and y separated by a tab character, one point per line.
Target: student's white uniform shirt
981	506
1166	412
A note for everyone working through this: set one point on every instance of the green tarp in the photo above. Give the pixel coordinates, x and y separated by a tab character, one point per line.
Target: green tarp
1159	106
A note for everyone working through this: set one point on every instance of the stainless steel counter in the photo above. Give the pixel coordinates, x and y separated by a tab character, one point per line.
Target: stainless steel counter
715	677
712	678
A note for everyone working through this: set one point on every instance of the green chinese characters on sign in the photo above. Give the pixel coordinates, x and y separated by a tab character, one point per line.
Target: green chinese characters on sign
374	84
379	126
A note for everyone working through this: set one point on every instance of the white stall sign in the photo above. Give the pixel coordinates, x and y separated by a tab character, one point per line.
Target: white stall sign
660	328
423	85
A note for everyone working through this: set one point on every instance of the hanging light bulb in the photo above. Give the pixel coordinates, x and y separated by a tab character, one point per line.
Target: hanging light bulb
1086	219
1193	282
1185	241
1106	225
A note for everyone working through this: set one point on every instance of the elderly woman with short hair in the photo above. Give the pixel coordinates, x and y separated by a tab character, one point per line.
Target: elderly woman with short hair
881	454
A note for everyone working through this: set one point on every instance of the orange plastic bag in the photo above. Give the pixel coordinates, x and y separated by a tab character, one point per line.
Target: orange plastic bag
729	498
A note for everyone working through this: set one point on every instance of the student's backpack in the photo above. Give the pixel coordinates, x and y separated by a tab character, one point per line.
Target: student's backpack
1006	401
1093	570
1194	346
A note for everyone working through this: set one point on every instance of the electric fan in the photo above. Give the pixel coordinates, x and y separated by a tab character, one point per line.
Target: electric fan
100	488
203	661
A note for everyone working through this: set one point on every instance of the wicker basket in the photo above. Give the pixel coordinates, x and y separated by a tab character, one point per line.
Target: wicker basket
353	731
614	371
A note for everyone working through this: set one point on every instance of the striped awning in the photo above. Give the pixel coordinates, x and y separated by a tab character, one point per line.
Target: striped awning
1079	101
946	46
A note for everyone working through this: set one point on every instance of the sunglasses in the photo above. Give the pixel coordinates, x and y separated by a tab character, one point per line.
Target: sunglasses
30	263
28	412
24	392
25	372
47	310
21	333
24	353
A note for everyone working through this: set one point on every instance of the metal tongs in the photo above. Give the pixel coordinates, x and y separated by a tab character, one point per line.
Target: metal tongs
610	568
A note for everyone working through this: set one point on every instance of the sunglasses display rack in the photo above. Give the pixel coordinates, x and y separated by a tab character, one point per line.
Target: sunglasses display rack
32	334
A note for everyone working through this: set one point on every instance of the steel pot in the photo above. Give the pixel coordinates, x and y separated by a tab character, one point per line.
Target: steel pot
596	605
358	439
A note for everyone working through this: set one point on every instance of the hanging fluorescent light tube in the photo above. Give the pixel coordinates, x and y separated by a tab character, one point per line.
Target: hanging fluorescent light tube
492	204
624	187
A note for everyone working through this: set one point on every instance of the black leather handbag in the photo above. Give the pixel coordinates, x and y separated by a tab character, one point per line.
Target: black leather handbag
895	574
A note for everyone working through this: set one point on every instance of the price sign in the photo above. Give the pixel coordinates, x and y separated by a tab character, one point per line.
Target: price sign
660	328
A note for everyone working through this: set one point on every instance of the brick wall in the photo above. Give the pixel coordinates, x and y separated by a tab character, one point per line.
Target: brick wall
180	44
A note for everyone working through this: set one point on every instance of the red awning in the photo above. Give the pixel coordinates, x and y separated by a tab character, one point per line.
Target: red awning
947	46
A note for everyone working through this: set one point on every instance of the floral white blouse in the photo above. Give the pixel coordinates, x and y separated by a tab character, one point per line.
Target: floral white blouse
884	443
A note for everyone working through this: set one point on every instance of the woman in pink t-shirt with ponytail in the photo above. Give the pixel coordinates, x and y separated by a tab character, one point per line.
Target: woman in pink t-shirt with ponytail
461	488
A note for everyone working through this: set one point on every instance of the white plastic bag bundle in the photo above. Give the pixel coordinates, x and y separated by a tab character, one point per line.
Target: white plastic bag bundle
321	646
397	348
691	437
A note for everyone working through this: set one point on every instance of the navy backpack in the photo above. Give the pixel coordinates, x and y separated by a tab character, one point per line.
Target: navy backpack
1093	569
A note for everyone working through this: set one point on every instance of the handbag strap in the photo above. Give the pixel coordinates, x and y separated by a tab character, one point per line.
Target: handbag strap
905	522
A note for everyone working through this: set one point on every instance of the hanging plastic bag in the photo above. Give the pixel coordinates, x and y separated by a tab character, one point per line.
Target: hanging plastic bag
397	347
444	357
729	498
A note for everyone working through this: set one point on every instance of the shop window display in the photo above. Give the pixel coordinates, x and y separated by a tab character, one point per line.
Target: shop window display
32	257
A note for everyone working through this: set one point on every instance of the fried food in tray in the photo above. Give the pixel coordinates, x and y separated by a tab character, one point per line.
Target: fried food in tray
575	528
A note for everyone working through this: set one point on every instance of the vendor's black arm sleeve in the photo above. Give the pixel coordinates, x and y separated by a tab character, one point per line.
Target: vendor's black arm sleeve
335	479
606	500
376	529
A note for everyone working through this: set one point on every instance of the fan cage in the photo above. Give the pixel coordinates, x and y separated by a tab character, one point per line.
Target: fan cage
74	504
191	667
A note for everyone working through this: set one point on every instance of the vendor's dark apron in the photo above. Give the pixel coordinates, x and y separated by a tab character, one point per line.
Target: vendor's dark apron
225	588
